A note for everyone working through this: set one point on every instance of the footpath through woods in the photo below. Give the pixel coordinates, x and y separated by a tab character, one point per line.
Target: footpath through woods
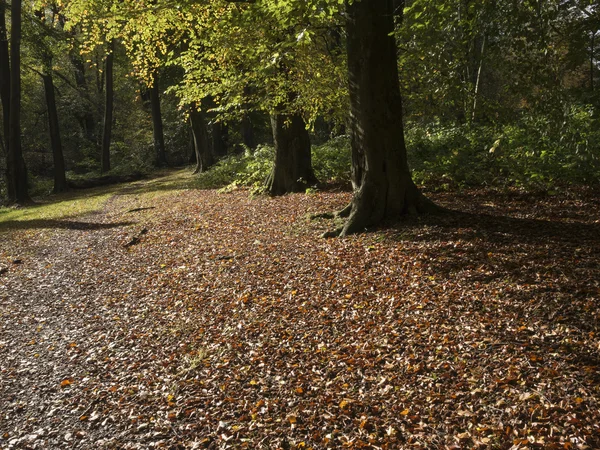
180	318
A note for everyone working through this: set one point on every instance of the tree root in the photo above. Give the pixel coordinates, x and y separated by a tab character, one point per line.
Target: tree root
332	233
343	213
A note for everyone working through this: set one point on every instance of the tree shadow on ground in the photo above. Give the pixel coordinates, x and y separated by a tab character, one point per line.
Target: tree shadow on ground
498	228
60	224
549	269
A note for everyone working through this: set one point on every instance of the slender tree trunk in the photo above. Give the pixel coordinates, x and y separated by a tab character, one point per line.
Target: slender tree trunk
292	171
108	109
204	156
592	62
60	179
4	75
157	125
386	189
17	173
476	92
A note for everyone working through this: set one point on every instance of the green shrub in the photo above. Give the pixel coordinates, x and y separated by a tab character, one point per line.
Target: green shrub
248	169
534	152
332	161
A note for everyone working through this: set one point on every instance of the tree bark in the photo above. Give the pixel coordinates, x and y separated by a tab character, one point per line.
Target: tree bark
157	125
108	109
4	75
17	172
385	187
204	156
60	179
292	171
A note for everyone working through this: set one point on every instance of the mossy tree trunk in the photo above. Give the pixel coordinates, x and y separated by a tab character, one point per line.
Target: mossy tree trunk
292	170
385	189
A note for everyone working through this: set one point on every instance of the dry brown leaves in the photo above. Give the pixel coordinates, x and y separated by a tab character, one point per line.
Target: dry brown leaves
229	324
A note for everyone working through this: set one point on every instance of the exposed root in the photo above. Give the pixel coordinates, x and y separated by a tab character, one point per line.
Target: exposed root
345	213
333	233
325	215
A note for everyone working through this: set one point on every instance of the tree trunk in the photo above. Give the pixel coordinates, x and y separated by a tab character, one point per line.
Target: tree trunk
60	179
478	80
385	187
592	62
108	109
157	125
4	75
204	157
17	173
292	171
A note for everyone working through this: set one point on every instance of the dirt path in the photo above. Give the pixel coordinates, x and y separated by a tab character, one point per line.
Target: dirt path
192	319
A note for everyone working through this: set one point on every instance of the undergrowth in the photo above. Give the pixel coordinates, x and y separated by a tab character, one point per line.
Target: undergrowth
331	163
532	153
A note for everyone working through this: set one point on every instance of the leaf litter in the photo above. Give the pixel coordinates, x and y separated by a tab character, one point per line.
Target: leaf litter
231	324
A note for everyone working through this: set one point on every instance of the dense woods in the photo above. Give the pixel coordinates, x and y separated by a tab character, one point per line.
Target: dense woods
470	93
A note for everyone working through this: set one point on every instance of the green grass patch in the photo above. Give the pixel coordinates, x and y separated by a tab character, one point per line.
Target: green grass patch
59	207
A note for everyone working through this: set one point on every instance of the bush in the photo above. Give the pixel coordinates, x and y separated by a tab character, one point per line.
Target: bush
247	169
331	163
534	152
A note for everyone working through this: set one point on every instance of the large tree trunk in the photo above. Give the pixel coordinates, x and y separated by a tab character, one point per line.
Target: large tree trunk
60	179
385	187
157	125
17	173
108	109
292	171
4	75
204	156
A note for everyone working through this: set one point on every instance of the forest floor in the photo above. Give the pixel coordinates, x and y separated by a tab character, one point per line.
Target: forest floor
177	318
